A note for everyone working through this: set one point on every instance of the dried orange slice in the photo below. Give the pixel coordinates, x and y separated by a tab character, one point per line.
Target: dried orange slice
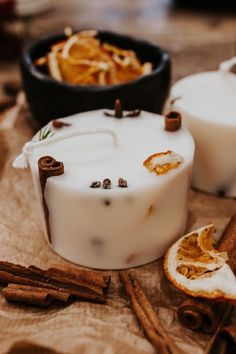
194	266
53	66
162	162
83	59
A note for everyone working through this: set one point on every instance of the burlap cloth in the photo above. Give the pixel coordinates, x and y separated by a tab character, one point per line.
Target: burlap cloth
82	327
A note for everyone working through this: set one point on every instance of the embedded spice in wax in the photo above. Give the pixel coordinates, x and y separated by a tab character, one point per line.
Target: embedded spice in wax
95	184
57	124
233	69
194	266
122	183
162	162
83	59
106	184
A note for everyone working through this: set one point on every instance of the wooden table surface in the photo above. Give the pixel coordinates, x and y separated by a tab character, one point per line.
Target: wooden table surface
197	41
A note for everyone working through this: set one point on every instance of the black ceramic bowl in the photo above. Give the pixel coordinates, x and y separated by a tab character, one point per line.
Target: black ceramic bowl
49	99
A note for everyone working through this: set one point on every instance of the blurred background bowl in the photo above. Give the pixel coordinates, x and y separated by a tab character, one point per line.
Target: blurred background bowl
49	99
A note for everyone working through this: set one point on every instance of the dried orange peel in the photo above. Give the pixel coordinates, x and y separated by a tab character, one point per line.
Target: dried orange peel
162	162
194	266
83	59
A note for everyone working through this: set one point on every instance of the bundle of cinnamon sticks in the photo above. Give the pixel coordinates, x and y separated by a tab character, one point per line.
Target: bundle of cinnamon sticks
34	286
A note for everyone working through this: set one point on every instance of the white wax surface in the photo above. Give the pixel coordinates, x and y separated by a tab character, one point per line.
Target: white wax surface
207	102
211	96
79	214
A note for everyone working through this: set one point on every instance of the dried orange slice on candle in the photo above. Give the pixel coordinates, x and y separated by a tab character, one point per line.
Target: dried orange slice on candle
194	266
162	162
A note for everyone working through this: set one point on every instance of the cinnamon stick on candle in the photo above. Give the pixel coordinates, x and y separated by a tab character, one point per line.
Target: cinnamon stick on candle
147	315
173	121
206	315
48	167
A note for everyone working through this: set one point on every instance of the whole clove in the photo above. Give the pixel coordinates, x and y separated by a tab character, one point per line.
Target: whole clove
106	184
95	184
118	111
122	183
57	124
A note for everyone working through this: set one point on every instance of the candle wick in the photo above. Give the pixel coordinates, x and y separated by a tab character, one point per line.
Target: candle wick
22	160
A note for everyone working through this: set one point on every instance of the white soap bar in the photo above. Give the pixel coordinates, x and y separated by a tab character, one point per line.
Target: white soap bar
207	102
118	227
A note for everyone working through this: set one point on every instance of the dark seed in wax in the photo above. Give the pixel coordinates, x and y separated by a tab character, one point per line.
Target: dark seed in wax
221	193
97	242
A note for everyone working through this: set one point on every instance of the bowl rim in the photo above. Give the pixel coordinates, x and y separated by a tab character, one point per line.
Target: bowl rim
27	61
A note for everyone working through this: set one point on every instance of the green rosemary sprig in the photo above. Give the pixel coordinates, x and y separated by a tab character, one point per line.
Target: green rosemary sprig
45	133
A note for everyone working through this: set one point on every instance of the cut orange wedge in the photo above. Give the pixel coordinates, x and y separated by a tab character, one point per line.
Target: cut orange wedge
194	266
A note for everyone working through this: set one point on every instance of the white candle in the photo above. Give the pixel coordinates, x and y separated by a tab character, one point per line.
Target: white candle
118	227
207	102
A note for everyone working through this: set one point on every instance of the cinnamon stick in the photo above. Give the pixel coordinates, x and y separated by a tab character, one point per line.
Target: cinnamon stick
83	285
173	121
226	340
60	295
214	346
228	242
27	295
48	167
147	315
25	347
199	314
96	278
204	315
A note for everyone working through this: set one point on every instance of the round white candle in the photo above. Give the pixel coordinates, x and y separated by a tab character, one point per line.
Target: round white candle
118	227
207	102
